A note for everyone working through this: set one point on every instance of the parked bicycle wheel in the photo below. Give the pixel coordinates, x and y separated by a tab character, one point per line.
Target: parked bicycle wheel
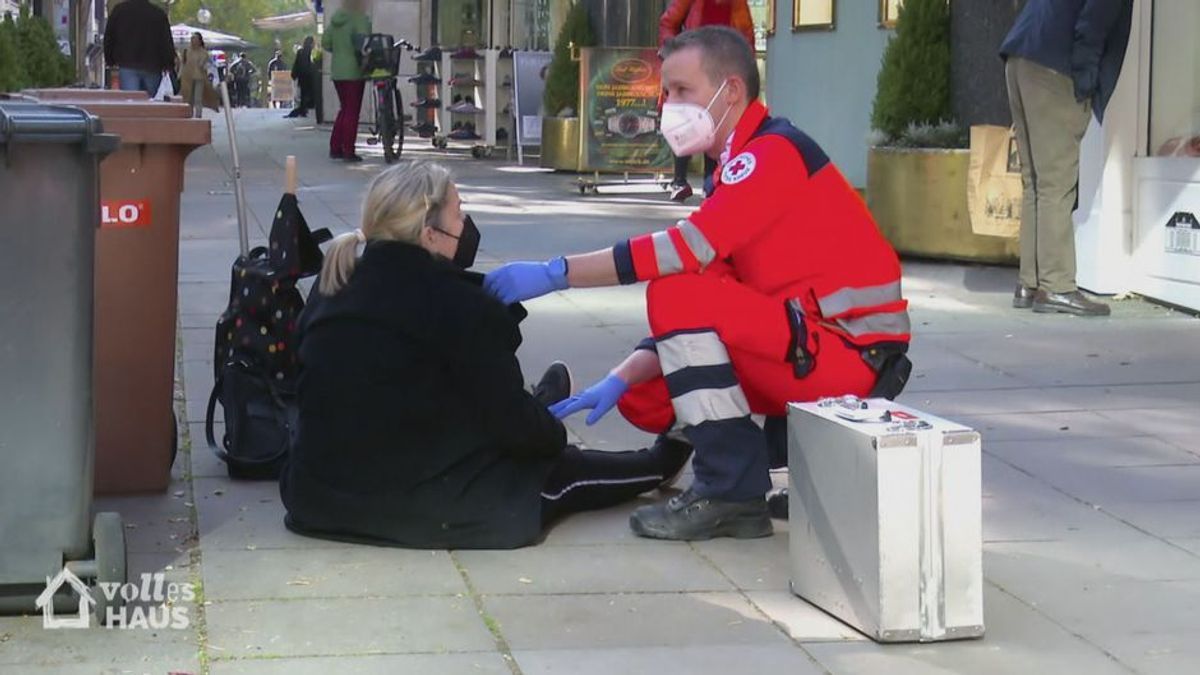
387	122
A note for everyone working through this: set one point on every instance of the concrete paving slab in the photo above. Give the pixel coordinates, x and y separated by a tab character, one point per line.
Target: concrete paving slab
1132	557
802	621
1065	455
1174	422
205	463
154	523
26	644
630	620
1018	640
694	659
242	515
588	569
481	663
1189	543
346	627
752	564
602	528
1046	426
356	571
1018	507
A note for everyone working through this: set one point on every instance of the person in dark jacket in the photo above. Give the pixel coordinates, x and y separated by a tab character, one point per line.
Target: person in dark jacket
302	73
137	40
1062	58
415	428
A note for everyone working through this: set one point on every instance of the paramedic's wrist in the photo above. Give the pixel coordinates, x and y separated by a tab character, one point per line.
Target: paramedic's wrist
558	269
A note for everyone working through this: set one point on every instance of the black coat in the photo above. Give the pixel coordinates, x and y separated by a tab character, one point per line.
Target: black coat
415	427
138	35
1082	39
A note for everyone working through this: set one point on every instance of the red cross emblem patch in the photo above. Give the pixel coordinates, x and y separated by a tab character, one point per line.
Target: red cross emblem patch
738	169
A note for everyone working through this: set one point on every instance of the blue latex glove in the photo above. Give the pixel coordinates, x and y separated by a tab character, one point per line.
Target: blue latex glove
521	281
600	398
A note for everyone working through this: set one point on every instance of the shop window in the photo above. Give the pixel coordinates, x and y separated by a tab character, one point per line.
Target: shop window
813	14
889	10
1174	84
461	23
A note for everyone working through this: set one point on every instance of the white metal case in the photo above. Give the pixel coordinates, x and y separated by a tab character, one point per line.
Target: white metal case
885	519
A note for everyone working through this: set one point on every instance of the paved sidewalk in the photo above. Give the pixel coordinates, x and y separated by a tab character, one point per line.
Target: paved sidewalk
1091	481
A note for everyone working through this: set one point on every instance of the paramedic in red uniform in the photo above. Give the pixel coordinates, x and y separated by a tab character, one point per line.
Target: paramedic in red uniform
778	288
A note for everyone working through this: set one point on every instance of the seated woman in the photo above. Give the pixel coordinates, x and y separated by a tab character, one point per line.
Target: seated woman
415	428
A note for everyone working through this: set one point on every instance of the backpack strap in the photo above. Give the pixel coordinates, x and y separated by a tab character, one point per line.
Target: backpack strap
222	450
219	451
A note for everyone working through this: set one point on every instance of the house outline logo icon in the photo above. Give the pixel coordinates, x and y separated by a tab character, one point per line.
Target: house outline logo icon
45	602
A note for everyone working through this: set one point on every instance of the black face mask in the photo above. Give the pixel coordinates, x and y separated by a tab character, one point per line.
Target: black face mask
468	244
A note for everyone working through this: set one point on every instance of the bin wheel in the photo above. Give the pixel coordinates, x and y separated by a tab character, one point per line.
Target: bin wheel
108	541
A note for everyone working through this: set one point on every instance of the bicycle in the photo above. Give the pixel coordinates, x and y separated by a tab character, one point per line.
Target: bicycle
381	64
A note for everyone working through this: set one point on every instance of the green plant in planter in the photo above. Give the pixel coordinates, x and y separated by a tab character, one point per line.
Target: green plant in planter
45	64
12	65
912	99
562	80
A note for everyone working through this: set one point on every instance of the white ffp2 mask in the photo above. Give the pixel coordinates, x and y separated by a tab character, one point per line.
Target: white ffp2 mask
688	127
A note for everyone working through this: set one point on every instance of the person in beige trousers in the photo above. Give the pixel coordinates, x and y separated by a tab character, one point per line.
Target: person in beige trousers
1062	60
193	76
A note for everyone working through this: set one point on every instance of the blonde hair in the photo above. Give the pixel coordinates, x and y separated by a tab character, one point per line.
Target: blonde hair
401	201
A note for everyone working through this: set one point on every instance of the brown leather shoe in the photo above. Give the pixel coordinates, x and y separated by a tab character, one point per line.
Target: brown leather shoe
1068	303
1023	297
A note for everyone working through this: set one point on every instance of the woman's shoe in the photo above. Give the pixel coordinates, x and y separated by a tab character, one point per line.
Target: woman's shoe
681	192
556	384
353	158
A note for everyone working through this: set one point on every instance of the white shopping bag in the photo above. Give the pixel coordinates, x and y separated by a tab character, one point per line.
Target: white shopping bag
165	89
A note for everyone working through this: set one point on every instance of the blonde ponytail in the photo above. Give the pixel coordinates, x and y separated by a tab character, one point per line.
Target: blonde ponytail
400	202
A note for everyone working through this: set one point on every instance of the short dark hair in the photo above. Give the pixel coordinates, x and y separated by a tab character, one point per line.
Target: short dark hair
724	53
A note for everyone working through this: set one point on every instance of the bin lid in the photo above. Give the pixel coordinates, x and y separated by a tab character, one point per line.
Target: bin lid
24	121
81	94
148	122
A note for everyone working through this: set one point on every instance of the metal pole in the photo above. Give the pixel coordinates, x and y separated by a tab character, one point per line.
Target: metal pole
239	193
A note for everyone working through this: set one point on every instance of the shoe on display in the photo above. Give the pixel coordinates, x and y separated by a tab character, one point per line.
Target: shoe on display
431	54
466	108
427	103
465	54
464	133
425	78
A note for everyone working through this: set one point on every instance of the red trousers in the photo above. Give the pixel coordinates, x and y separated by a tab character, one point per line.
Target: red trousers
754	329
345	127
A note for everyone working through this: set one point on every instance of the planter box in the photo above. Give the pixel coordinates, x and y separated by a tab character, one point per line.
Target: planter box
919	200
560	143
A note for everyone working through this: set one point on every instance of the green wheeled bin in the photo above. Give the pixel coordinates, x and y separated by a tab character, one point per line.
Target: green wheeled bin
49	215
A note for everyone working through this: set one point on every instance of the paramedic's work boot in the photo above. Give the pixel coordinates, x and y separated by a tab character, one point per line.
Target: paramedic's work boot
690	517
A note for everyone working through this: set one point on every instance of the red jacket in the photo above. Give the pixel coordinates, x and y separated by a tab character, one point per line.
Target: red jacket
790	226
683	15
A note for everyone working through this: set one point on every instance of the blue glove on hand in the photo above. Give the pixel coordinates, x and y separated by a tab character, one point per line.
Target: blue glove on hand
520	281
599	397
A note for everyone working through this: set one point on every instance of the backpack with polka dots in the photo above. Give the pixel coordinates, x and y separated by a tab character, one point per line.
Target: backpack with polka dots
254	358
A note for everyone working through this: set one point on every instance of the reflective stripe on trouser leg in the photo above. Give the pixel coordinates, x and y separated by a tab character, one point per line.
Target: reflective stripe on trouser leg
731	451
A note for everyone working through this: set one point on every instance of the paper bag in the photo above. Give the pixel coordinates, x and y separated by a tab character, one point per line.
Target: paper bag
994	182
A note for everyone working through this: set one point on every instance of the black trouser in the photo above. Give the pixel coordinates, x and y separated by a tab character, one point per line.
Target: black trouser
681	168
306	94
584	480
